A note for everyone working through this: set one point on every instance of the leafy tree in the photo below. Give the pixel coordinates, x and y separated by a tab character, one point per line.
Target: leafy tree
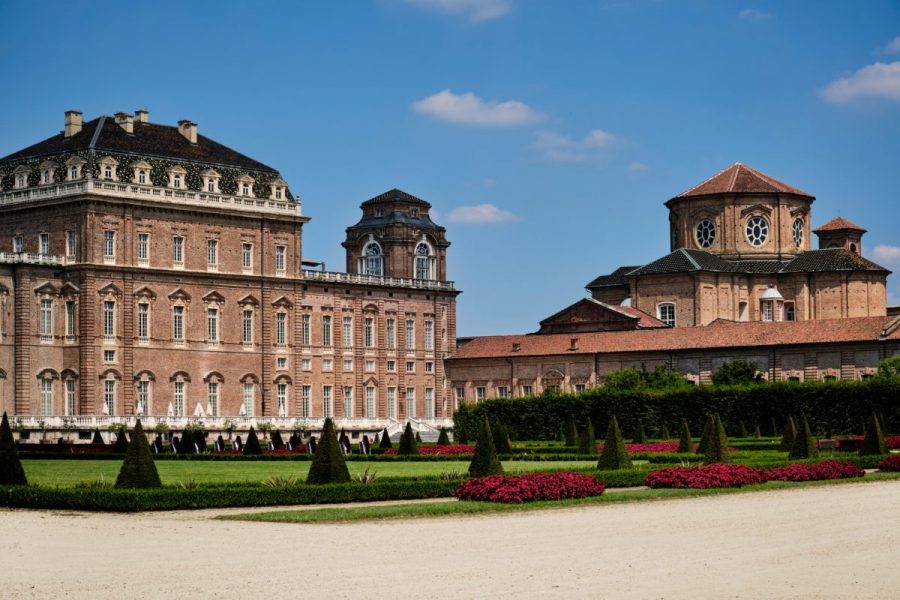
614	455
11	471
685	444
737	372
789	435
661	378
443	438
138	469
121	442
385	441
587	443
717	447
707	433
328	464
873	442
640	437
501	439
889	368
804	445
485	461
664	432
251	446
408	444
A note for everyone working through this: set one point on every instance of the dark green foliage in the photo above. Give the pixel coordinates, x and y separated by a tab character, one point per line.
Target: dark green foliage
328	465
375	441
501	439
757	433
717	447
407	442
251	446
737	372
418	438
664	433
186	442
443	438
614	455
121	442
485	461
640	437
889	368
276	440
774	428
661	378
707	433
11	471
789	435
587	442
685	444
742	430
571	433
459	434
138	469
97	439
385	441
873	442
804	445
560	435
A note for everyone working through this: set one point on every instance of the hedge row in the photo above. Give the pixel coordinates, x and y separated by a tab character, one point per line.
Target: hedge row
838	406
170	498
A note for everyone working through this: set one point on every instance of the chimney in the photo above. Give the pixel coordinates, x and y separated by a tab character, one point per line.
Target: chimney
188	129
142	116
573	344
125	121
73	122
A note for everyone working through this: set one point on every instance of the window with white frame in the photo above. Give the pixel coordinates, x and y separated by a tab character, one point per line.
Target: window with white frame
326	401
790	312
370	366
247	257
45	244
281	363
109	396
45	321
280	329
70	319
391	402
247	328
348	332
248	398
176	181
372	262
177	251
143	321
212	254
109	320
768	313
410	334
369	333
212	398
304	330
327	364
429	402
178	397
143	248
480	393
71	244
502	391
212	325
143	398
348	364
429	335
326	331
410	402
391	334
370	401
460	395
429	366
280	255
142	177
47	176
410	366
348	400
424	267
305	400
281	398
392	366
109	245
46	397
109	356
306	364
18	244
666	313
71	407
178	324
527	390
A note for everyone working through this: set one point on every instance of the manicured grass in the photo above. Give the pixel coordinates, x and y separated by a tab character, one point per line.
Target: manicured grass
455	508
66	473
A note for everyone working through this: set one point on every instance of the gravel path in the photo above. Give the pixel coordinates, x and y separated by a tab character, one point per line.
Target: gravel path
820	542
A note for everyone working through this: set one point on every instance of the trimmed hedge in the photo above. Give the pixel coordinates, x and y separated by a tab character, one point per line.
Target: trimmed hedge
839	405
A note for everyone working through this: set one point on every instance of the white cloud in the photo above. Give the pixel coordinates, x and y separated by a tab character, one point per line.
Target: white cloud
636	167
888	255
561	148
471	110
879	80
751	14
481	214
475	11
892	47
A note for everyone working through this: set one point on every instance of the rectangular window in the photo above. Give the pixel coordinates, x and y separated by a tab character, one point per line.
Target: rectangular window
326	331
45	244
70	319
143	321
305	400
71	244
326	364
410	402
177	251
18	244
109	245
248	399
281	399
109	396
46	320
326	401
143	248
391	402
502	391
348	332
429	403
348	400
767	310
392	365
460	395
212	325
429	336
666	314
178	324
46	397
280	252
410	366
480	393
178	397
109	356
281	363
143	398
429	367
370	401
212	253
527	390
391	334
790	313
348	364
579	387
247	257
212	398
247	329
306	364
304	330
280	329
109	320
70	397
410	334
370	333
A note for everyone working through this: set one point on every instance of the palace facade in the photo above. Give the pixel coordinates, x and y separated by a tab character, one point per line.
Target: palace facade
148	270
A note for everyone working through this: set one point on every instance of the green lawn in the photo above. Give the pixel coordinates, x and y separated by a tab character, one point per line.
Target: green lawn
66	473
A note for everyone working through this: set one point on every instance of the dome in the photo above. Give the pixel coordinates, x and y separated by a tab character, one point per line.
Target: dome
772	294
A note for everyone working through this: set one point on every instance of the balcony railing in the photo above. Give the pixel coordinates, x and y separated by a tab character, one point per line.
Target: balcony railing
30	258
334	277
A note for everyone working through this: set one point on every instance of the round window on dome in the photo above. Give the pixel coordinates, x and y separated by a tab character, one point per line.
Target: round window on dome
797	231
705	233
757	231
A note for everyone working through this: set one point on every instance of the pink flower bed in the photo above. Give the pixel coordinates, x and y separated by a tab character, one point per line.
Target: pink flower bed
654	447
444	450
530	487
891	463
829	469
708	476
891	441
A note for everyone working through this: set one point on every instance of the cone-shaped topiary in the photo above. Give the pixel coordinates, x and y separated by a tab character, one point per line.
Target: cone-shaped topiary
640	437
501	439
138	469
614	455
443	438
757	433
251	446
804	445
707	432
587	442
873	442
328	464
375	441
742	430
460	436
408	442
121	442
571	433
97	439
186	442
276	440
385	442
485	461
774	428
418	438
717	447
11	471
685	444
664	432
789	435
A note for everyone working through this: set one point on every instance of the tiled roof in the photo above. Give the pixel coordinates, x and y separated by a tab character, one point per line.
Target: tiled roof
396	195
839	224
722	335
148	139
395	217
647	321
830	259
684	260
615	278
739	178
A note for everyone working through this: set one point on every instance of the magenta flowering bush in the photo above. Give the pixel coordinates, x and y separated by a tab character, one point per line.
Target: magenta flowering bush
654	447
890	464
529	487
456	449
829	469
707	476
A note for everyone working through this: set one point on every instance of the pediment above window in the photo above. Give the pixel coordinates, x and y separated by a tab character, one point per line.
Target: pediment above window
145	292
214	296
180	295
757	209
110	289
283	302
248	300
46	289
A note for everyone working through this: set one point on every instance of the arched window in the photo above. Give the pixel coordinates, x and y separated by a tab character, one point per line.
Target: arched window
424	262
373	260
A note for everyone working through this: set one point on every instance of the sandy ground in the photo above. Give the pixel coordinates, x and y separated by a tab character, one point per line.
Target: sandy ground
826	542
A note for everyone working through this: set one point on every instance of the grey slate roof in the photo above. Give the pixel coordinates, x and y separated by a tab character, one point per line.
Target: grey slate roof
830	259
615	278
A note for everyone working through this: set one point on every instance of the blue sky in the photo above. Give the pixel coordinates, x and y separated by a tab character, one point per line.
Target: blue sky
547	135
